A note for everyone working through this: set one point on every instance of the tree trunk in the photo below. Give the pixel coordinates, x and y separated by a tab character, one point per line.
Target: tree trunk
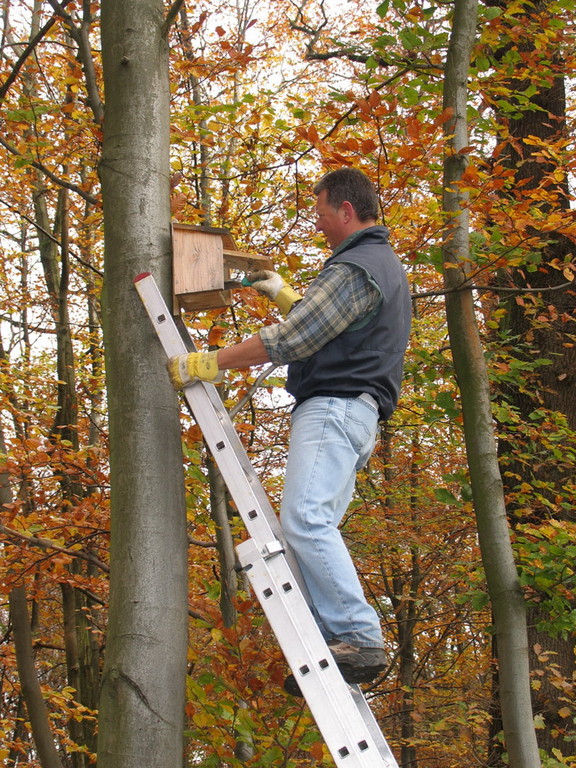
142	698
219	511
405	611
81	655
551	387
30	686
494	538
31	690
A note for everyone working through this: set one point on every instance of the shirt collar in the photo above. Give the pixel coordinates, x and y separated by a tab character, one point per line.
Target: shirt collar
352	239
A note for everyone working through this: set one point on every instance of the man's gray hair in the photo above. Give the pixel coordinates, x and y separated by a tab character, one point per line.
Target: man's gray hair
352	185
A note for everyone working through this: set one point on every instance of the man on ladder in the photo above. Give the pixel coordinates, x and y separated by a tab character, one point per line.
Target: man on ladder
344	343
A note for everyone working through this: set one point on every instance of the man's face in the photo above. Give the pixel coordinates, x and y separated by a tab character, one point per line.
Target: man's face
331	221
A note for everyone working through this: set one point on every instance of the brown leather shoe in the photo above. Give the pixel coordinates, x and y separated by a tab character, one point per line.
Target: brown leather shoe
292	687
358	665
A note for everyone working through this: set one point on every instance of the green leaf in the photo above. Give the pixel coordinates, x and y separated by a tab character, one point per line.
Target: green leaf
409	39
445	496
479	600
21	162
273	756
445	401
384	41
491	12
214	591
382	9
311	736
411	96
196	473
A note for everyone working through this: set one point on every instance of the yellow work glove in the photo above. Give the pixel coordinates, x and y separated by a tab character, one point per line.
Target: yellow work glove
276	288
184	369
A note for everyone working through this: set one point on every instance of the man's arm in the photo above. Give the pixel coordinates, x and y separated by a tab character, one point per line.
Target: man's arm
337	298
243	355
341	295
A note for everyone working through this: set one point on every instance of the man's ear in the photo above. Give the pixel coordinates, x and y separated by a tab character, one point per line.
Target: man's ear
348	209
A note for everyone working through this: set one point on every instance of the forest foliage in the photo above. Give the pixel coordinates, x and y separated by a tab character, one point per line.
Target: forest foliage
265	97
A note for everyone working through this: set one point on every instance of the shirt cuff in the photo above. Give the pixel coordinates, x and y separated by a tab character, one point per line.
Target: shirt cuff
269	335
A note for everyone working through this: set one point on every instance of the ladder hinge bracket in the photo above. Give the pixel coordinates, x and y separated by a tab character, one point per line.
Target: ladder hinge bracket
272	549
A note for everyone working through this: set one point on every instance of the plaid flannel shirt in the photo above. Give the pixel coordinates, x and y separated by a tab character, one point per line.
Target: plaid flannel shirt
341	295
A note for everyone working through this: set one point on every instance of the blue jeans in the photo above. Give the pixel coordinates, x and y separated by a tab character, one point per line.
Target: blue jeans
331	438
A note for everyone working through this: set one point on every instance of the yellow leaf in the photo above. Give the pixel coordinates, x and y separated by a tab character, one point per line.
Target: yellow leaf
203	719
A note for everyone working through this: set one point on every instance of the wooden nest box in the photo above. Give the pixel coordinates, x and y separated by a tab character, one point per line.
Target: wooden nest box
202	260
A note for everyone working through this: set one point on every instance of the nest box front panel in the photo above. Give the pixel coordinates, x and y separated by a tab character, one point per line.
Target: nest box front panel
198	261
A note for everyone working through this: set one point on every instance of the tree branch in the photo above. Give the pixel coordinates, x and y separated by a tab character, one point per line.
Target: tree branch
494	289
49	235
356	55
31	691
26	52
171	16
80	35
52	176
46	544
248	396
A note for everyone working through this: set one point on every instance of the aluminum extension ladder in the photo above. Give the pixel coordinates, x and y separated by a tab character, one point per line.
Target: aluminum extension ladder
341	712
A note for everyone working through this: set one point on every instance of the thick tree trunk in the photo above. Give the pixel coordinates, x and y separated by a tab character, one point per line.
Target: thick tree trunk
501	575
547	333
141	706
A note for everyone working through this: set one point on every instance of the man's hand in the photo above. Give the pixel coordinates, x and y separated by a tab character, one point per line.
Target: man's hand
184	369
276	288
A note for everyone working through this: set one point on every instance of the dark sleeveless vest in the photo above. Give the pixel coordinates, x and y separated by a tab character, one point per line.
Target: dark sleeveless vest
368	356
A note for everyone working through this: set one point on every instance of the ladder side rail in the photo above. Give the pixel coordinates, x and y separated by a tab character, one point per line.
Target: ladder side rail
230	431
244	461
204	403
372	725
231	435
256	513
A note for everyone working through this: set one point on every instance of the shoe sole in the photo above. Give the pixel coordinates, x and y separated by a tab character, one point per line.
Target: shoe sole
292	687
354	674
362	667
